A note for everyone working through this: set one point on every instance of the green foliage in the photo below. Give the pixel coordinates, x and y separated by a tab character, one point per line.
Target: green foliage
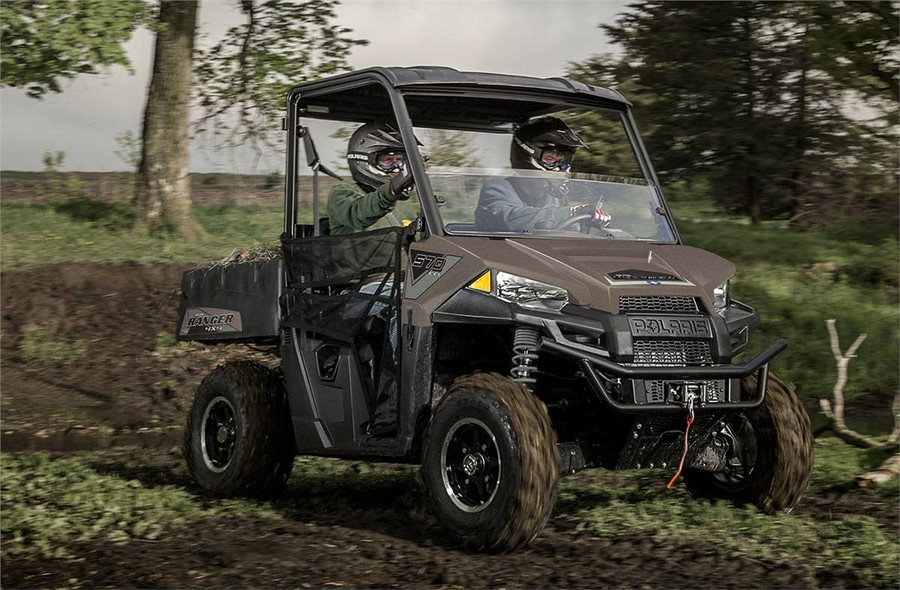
35	235
56	190
167	345
865	34
49	503
129	150
796	281
608	150
449	148
838	464
246	76
760	109
40	348
45	42
114	216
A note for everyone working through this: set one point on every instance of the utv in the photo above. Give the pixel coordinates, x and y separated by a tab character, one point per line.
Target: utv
498	359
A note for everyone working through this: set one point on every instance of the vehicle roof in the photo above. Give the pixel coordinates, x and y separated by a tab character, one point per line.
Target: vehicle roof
345	96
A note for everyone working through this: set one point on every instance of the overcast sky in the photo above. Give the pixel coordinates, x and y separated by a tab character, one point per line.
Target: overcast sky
529	37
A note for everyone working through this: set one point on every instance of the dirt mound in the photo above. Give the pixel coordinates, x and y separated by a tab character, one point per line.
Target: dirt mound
131	375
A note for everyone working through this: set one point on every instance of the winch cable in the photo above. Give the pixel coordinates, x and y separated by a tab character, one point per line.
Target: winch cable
687	429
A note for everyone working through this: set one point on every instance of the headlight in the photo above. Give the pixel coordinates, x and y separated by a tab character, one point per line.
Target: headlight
722	296
530	294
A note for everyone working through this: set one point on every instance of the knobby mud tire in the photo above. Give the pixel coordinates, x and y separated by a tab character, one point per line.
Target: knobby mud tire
262	454
526	441
785	454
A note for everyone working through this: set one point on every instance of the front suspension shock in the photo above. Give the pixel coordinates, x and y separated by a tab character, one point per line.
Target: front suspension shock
525	346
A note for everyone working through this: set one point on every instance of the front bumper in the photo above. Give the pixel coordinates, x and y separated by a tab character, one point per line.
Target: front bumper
596	370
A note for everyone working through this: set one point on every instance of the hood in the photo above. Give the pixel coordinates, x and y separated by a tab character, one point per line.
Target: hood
596	272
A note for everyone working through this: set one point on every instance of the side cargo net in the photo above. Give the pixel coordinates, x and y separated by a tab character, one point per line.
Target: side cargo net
335	282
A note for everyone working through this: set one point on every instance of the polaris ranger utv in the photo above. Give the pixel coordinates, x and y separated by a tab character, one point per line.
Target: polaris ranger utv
498	358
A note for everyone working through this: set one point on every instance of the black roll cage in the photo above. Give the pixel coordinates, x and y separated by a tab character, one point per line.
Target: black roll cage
441	97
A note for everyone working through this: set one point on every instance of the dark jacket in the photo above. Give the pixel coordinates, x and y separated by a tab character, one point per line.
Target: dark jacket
500	208
351	209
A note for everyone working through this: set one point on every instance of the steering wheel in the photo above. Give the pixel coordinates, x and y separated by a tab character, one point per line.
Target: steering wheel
570	221
585	227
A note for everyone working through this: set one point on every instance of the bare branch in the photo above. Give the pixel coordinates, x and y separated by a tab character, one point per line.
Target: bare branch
885	473
851	352
835	412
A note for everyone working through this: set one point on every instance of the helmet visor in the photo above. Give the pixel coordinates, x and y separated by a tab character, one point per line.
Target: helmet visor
556	158
389	161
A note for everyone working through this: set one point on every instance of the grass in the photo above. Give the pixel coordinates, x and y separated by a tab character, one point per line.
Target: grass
166	345
796	281
51	502
606	503
40	348
37	235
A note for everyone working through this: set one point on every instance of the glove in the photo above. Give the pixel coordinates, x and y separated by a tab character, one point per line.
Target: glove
599	216
401	182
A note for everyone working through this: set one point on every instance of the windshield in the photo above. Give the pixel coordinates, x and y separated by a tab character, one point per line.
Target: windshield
571	174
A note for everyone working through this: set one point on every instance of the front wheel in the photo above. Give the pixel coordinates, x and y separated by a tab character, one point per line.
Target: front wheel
769	453
238	437
489	463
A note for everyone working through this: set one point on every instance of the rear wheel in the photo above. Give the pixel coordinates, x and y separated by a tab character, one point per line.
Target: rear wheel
238	437
769	451
489	463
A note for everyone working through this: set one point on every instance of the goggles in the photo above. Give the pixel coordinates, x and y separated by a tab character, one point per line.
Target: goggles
556	158
390	160
548	156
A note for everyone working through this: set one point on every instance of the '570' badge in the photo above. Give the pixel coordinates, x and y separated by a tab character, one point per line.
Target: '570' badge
423	262
426	268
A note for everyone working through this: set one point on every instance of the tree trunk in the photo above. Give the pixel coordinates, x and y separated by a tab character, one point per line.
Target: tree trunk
751	166
162	193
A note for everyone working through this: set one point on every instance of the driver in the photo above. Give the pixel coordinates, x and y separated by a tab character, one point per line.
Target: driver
523	203
377	161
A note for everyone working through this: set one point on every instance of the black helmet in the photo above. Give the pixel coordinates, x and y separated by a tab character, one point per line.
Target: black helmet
366	144
545	143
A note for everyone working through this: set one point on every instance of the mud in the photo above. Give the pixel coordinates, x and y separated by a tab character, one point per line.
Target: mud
126	399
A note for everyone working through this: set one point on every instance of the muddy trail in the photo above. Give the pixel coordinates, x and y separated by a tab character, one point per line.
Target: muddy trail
124	402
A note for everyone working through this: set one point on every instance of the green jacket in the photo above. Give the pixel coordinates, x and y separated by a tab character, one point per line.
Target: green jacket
350	209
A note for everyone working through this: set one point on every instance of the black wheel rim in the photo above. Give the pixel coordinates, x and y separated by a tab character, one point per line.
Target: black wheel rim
470	465
742	453
219	434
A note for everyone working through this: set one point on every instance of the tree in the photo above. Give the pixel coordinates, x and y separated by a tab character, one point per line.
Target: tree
242	84
751	97
242	80
162	193
45	42
245	77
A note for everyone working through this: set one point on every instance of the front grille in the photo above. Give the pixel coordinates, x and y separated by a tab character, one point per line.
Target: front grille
657	304
673	353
